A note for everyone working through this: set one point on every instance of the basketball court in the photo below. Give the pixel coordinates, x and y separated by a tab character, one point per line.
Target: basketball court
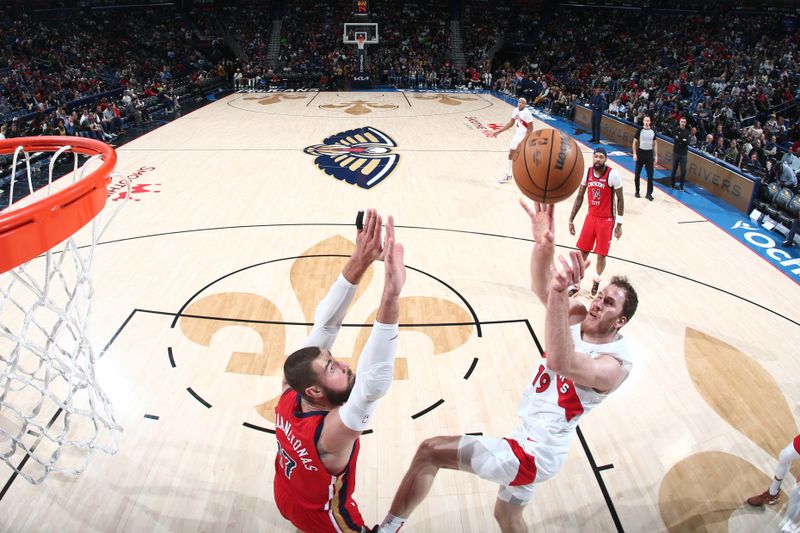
239	218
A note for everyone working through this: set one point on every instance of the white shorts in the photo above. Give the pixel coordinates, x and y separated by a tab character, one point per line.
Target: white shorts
516	466
517	139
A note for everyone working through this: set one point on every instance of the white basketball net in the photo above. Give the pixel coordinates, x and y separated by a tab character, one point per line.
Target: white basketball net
53	413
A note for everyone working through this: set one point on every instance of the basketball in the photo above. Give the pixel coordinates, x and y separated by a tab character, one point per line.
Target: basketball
549	166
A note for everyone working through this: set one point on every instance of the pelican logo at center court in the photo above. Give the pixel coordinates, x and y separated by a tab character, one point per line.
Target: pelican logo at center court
362	157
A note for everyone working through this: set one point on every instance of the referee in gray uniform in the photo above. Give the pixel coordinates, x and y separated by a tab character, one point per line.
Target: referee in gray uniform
645	153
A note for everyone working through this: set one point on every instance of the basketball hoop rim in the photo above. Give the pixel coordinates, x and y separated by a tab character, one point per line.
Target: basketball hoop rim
28	232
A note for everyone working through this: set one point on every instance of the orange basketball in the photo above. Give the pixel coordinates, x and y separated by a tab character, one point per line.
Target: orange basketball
549	166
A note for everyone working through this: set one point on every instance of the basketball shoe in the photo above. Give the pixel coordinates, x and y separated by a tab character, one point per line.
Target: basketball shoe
764	498
505	179
595	286
573	290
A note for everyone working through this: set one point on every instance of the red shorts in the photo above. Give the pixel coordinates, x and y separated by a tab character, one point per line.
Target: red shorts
797	444
596	233
339	518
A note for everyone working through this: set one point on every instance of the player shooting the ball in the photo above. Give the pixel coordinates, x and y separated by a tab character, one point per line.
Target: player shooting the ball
586	359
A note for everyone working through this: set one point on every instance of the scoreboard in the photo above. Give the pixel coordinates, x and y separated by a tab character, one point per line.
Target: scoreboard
360	7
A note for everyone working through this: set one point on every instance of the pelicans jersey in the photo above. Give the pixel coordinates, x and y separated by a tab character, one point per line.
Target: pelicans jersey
600	191
599	224
305	492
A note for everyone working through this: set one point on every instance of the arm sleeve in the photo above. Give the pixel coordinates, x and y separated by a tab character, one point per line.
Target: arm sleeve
374	376
330	313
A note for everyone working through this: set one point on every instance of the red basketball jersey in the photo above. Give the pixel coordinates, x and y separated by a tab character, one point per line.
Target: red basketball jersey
305	493
599	194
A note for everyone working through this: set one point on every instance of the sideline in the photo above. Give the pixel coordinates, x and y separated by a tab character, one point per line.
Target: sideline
766	244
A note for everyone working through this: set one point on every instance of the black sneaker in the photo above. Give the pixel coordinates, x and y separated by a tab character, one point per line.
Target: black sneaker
649	197
674	187
787	243
637	194
573	291
595	287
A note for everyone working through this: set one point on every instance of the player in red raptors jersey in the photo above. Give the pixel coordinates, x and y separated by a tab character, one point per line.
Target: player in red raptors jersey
600	184
324	407
586	359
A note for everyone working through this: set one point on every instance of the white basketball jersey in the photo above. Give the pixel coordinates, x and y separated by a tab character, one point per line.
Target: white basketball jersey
552	405
522	119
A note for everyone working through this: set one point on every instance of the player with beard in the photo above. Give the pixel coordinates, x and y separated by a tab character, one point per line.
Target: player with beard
586	359
324	407
598	185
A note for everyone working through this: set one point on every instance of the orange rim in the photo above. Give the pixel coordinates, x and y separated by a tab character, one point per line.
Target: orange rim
30	231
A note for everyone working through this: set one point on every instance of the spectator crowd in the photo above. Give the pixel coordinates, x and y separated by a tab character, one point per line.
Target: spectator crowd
734	76
78	73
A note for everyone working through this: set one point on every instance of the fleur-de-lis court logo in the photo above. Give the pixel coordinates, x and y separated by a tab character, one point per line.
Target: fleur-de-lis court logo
310	276
275	98
358	107
361	157
702	491
446	99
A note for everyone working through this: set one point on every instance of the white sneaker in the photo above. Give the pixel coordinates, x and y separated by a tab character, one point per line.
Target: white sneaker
504	179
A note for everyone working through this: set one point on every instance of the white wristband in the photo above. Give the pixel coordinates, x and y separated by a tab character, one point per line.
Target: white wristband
619	219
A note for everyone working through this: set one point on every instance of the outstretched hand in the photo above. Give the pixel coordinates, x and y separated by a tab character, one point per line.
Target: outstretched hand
571	272
541	221
368	239
393	262
369	247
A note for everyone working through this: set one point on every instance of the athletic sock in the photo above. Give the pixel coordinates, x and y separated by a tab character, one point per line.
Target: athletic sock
391	524
776	486
509	168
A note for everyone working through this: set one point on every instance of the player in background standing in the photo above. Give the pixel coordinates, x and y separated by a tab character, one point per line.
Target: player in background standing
600	184
523	119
